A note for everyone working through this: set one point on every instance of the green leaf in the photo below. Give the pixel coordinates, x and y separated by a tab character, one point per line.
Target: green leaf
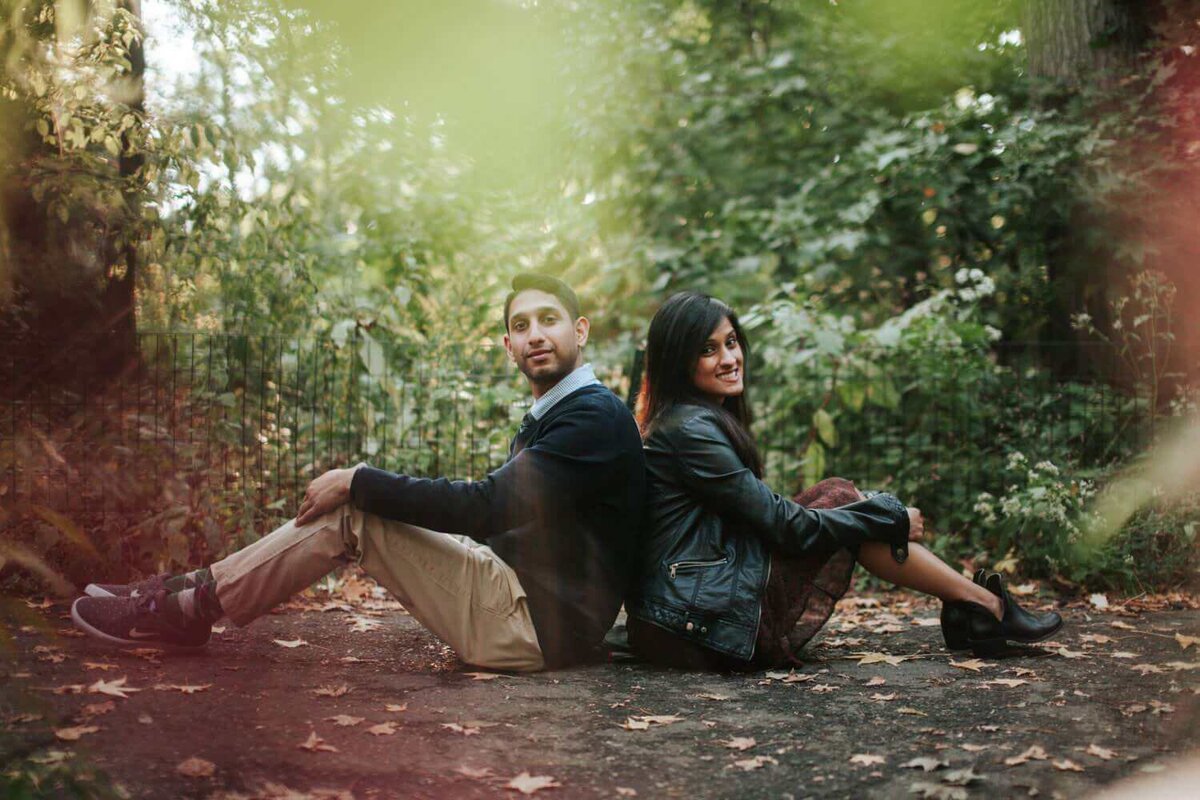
813	469
823	422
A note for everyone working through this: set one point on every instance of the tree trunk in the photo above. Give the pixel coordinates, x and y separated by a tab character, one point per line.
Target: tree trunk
1074	41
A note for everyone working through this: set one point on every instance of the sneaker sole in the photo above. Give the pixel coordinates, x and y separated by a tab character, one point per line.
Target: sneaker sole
83	625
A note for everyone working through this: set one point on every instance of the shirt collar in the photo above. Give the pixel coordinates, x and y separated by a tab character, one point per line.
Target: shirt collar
582	376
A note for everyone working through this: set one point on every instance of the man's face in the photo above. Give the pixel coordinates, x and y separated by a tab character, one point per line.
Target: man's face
542	340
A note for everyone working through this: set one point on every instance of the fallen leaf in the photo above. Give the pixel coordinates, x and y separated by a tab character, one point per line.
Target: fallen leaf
382	729
290	643
1100	752
1122	654
185	688
797	678
42	606
1181	665
52	757
331	691
740	743
714	696
880	658
1067	652
145	719
973	664
883	697
101	665
472	772
975	748
196	768
1099	601
822	688
659	719
1161	708
926	763
632	724
315	744
1186	641
528	784
151	654
1133	708
116	688
1021	672
364	625
1034	753
17	719
1125	626
867	759
876	681
960	777
1009	682
396	707
96	709
757	762
1066	765
937	791
73	734
625	791
1023	590
465	730
485	676
1095	638
345	720
912	711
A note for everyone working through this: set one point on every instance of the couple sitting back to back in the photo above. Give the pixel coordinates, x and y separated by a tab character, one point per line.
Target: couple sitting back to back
527	568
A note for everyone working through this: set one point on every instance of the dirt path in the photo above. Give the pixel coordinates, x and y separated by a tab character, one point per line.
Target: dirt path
848	723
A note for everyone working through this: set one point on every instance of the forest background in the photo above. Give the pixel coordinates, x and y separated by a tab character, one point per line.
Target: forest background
961	236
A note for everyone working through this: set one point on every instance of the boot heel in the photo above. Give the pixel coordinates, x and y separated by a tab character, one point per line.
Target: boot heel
954	627
987	647
955	640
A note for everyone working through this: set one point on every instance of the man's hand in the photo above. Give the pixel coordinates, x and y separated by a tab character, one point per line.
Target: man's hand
324	494
916	525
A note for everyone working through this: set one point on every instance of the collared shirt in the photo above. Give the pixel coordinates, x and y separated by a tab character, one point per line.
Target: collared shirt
582	376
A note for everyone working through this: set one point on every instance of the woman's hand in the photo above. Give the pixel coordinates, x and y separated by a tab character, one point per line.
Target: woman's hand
916	525
324	494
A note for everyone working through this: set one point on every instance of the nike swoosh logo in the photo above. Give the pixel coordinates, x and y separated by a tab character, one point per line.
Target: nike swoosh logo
134	633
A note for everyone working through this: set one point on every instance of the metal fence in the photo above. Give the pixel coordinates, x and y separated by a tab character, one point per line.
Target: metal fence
255	417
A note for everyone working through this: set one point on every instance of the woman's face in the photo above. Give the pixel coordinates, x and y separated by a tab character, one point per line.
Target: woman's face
718	372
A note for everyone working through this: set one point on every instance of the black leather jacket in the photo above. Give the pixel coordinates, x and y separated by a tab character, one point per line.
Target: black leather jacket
711	527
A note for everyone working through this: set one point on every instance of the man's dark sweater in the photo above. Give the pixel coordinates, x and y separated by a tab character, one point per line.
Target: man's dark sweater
564	512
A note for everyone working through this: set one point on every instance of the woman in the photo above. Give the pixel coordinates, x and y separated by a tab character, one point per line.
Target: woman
731	574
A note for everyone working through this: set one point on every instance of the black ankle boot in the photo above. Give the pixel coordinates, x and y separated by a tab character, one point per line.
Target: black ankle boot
984	634
955	619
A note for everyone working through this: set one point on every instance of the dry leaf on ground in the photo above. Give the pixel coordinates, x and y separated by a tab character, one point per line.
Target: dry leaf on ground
748	764
115	688
1100	752
331	691
465	730
315	743
1009	682
485	676
382	729
1186	641
867	759
1066	765
96	709
290	643
396	707
937	791
739	743
878	680
73	734
973	664
913	711
880	658
100	665
625	791
713	696
196	768
1034	753
926	763
345	720
475	773
185	688
879	696
528	784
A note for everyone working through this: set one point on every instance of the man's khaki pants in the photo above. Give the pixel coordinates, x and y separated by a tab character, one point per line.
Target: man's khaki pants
457	588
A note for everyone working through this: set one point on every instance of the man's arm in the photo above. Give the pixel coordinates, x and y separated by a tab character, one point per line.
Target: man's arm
572	458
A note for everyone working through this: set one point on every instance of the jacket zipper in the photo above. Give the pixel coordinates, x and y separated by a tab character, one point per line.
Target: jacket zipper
671	568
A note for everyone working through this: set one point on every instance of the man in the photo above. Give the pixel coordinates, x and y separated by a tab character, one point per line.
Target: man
559	521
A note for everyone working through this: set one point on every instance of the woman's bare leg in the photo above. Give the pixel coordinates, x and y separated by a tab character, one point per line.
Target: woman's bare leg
925	572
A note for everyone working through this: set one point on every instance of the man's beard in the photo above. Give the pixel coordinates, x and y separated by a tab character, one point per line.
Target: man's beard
563	368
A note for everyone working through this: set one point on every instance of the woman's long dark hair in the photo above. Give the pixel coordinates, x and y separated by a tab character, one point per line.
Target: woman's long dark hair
677	335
